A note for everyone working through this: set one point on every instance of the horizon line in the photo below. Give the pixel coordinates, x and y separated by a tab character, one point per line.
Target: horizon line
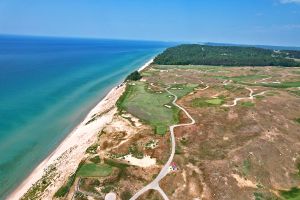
146	40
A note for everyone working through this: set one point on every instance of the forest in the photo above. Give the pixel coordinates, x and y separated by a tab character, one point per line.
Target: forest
195	54
292	53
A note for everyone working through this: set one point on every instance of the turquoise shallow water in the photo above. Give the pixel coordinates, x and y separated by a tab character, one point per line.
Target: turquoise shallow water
47	87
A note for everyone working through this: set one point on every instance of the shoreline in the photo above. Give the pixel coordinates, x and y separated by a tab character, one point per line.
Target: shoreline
74	144
146	65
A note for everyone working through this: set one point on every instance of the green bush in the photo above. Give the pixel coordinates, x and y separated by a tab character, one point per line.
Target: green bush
134	151
107	188
134	76
92	149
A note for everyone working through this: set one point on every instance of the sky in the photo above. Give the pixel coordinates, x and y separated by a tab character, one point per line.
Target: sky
267	22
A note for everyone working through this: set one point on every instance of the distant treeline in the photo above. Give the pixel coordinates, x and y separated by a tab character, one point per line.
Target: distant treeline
194	54
292	53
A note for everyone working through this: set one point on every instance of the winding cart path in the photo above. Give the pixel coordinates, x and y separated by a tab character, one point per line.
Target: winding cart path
164	171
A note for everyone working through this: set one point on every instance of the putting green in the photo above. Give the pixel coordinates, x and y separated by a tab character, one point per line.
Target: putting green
94	170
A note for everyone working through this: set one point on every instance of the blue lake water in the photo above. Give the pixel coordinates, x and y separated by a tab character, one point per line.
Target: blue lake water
48	85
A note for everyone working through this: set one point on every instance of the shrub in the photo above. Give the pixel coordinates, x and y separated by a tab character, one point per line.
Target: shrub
134	76
92	149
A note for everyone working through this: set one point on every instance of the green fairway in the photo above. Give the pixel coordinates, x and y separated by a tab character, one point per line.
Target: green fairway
247	104
204	102
181	90
94	170
293	194
149	106
214	101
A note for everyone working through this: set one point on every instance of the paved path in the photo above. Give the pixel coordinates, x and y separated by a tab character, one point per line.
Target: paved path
251	96
164	171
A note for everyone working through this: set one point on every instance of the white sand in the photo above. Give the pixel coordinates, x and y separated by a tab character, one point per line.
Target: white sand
242	182
111	196
71	151
146	65
146	161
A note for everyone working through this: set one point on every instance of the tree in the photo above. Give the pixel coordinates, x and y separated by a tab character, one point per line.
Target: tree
194	54
134	76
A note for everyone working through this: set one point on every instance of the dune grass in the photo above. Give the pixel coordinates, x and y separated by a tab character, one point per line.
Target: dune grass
295	92
282	85
246	78
63	191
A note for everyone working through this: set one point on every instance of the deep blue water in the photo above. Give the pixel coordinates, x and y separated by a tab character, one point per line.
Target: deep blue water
47	86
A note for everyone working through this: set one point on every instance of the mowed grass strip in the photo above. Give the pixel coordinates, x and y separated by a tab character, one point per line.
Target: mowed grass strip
149	106
94	170
180	90
204	102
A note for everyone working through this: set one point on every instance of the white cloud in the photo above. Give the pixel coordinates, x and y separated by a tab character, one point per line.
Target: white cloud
289	1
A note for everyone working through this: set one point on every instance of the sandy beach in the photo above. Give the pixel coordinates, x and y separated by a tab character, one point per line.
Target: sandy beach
66	157
146	65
